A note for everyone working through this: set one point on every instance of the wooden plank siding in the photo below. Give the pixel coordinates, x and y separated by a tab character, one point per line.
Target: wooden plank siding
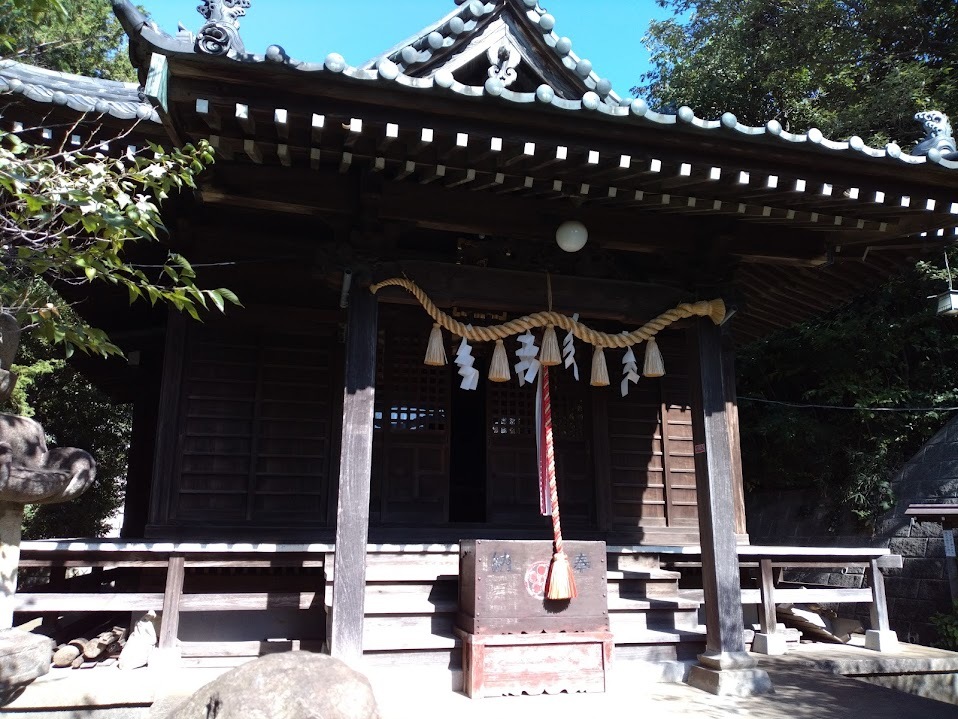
651	469
257	428
255	418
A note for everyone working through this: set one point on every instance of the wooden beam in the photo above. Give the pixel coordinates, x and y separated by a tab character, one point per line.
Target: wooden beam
167	450
514	123
352	515
451	285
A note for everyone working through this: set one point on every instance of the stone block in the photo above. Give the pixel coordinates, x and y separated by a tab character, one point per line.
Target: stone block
900	588
933	590
915	610
924	568
948	466
895	527
845	581
935	549
926	529
945	488
910	547
881	641
23	657
731	682
770	644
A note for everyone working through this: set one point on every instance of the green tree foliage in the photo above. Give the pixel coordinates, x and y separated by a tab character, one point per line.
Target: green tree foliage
73	413
79	36
885	349
69	216
849	68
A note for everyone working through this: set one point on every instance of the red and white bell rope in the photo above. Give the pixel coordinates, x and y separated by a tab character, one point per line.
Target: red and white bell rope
561	582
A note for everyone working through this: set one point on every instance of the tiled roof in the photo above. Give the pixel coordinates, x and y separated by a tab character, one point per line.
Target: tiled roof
453	32
392	66
121	100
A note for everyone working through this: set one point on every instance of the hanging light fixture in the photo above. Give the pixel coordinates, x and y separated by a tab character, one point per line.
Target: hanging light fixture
948	301
572	235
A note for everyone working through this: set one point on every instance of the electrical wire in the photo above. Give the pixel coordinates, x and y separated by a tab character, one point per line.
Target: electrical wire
230	263
798	405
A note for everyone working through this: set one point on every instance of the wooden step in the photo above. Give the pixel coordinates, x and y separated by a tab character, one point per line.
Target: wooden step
661	635
409	605
645	575
644	603
411	572
404	594
389	633
626	626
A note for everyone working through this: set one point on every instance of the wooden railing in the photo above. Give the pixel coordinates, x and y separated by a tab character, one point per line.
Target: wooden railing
767	559
174	558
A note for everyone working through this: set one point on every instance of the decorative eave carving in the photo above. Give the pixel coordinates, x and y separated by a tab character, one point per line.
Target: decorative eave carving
939	138
503	62
220	35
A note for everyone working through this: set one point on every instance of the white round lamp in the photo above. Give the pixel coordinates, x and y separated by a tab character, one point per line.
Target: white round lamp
572	235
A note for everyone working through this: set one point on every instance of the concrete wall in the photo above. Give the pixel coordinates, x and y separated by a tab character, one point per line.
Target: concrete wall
921	588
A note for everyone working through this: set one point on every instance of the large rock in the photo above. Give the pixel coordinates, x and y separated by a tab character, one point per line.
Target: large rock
291	685
23	658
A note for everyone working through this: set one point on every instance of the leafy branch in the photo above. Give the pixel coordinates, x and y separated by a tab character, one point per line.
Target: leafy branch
70	217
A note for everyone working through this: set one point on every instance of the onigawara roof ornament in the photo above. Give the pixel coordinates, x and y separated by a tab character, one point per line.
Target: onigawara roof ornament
939	138
220	35
503	61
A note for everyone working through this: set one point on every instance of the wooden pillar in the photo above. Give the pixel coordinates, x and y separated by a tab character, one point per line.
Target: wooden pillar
731	415
355	468
880	637
725	668
167	653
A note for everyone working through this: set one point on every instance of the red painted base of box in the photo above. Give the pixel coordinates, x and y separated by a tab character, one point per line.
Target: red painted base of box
512	664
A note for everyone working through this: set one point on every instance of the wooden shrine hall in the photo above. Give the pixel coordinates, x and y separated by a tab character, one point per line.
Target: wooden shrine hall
486	164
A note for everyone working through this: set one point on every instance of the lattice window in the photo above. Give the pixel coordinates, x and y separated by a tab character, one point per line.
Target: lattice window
512	410
417	395
569	415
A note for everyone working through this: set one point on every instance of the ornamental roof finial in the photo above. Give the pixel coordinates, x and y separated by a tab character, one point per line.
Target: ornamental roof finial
220	35
938	134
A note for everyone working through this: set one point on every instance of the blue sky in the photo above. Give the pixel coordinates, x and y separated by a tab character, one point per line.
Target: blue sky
607	32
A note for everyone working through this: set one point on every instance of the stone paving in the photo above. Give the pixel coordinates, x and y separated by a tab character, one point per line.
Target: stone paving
802	691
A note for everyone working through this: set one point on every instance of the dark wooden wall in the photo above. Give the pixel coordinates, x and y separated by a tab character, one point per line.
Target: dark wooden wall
250	424
651	471
256	411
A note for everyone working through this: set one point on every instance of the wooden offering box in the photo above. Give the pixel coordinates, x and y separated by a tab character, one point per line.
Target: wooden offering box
513	664
516	641
502	588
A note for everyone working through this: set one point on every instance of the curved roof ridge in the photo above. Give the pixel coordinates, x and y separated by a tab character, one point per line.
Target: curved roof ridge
121	100
597	98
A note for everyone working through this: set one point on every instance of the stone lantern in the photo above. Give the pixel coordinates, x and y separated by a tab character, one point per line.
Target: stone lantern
29	474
